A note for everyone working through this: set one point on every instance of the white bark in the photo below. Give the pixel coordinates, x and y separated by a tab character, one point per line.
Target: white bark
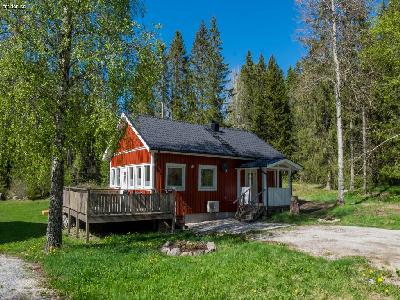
339	125
364	148
351	185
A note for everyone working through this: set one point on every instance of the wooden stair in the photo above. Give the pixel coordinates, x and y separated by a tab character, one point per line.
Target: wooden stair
250	212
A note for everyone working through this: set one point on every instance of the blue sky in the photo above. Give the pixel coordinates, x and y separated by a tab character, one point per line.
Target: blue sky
261	26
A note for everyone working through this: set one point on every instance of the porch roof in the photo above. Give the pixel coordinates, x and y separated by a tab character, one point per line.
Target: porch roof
271	163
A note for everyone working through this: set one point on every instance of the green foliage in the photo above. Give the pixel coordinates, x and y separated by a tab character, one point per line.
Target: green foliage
103	67
382	55
260	103
377	209
178	75
131	266
207	75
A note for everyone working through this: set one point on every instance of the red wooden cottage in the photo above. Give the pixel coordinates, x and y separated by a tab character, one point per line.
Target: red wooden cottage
208	166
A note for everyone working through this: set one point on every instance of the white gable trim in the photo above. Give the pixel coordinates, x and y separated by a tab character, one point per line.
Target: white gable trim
123	116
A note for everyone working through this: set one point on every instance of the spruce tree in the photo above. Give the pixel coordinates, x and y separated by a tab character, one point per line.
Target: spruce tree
200	70
217	76
178	77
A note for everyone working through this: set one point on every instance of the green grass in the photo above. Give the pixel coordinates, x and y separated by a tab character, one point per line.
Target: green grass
381	208
131	266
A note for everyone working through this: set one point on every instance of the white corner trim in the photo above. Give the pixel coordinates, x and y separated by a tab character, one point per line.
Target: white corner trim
215	178
123	116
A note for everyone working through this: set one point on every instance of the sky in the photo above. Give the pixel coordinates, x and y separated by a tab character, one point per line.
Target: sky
261	26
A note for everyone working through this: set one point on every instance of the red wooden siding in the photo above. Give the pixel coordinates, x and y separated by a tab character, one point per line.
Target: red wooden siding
135	157
192	200
128	141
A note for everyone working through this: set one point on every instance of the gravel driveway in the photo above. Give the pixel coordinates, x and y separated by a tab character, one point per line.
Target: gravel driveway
380	246
21	280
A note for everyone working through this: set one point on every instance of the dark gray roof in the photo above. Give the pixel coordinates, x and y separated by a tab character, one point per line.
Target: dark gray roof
175	136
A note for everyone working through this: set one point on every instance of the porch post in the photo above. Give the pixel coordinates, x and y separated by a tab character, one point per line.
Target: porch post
152	172
264	186
238	182
290	180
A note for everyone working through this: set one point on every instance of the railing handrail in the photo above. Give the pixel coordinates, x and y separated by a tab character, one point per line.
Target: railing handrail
99	202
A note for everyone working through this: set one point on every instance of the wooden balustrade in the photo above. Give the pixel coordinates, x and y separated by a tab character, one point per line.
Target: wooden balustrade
109	205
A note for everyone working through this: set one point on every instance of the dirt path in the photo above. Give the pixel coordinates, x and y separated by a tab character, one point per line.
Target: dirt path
380	246
20	280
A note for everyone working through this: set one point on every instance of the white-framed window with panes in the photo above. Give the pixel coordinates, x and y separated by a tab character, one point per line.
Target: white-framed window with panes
207	178
115	177
138	176
175	176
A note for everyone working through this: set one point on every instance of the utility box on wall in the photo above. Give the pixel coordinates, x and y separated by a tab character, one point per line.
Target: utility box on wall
212	206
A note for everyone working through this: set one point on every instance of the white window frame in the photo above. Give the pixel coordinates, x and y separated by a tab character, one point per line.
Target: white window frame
131	170
116	179
147	186
112	176
176	166
215	176
137	185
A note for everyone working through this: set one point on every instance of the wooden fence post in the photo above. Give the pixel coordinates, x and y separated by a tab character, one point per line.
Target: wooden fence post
87	216
173	207
78	207
69	210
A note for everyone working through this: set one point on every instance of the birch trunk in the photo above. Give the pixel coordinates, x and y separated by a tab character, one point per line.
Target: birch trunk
364	148
351	185
54	225
339	126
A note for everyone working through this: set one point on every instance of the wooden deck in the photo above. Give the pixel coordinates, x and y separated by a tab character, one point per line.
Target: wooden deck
109	205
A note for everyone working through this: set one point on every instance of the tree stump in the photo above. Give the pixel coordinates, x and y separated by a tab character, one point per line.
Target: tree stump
294	206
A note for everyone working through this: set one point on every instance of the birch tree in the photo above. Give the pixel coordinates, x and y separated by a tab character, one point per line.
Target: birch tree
327	24
76	54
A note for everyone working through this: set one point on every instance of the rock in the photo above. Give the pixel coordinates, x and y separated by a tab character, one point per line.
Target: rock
211	247
174	252
167	244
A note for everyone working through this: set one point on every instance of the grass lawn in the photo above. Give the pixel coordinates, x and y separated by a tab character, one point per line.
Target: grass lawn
379	209
131	266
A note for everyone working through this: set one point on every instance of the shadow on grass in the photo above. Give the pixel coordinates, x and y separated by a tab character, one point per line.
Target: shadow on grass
17	231
150	242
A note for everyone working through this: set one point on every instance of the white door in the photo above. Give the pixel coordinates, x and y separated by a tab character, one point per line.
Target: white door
251	181
124	178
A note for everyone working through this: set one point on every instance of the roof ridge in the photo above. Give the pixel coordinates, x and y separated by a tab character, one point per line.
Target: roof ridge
190	123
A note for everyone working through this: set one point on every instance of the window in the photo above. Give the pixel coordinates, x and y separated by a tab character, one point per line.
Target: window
112	176
117	181
131	177
139	176
207	178
147	176
175	176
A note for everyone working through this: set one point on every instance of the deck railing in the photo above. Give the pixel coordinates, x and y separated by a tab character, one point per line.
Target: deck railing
109	205
279	196
102	202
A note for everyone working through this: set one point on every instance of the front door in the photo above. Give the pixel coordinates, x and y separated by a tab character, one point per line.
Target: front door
251	181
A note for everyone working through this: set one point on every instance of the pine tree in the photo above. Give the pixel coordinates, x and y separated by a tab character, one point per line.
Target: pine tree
217	76
247	78
272	115
200	71
178	77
